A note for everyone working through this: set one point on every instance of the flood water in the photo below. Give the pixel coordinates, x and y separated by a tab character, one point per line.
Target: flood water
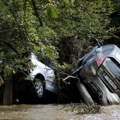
55	112
33	112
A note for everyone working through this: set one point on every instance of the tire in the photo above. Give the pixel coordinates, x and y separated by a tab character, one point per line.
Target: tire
84	93
39	87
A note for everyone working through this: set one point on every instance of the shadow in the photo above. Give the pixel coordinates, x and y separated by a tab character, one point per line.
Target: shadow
24	93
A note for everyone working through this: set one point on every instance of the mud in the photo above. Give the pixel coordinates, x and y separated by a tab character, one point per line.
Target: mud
55	112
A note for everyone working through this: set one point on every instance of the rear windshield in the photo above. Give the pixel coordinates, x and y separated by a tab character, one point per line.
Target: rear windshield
107	49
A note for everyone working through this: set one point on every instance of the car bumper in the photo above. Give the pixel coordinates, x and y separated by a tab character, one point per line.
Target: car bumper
102	92
109	72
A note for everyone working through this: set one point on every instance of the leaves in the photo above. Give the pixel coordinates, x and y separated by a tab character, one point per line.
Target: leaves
50	51
33	24
2	5
52	11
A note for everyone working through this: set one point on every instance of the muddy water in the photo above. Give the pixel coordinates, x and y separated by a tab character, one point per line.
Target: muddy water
55	112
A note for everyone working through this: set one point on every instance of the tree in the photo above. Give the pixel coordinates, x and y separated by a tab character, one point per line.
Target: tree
57	28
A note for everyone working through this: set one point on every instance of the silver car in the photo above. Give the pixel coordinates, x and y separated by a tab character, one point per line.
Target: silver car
99	71
41	76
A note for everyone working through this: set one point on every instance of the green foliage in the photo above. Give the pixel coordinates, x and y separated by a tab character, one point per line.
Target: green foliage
33	24
46	33
2	5
85	19
52	11
117	5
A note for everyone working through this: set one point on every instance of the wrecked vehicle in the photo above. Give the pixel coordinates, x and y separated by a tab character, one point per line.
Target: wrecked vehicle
99	73
37	79
41	76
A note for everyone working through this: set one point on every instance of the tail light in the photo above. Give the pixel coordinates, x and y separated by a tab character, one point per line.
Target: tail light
99	60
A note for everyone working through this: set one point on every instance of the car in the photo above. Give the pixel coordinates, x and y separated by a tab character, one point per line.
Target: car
99	73
40	75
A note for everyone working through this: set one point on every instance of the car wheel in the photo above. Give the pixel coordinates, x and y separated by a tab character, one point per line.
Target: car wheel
39	87
84	93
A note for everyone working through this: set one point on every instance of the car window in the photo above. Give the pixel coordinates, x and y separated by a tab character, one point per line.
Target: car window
26	54
33	56
29	54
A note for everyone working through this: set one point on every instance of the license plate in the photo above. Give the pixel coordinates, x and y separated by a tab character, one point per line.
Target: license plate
106	77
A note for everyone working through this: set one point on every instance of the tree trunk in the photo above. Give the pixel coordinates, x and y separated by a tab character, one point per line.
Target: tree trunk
1	81
8	91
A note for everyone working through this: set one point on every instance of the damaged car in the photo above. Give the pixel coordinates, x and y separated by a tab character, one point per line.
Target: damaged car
40	75
100	72
99	75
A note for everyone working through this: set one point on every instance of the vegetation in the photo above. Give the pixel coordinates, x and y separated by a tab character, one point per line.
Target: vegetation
60	31
58	28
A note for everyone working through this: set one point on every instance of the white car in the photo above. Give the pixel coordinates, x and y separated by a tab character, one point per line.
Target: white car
42	76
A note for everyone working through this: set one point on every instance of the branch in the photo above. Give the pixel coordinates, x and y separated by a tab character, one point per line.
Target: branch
36	12
10	46
115	36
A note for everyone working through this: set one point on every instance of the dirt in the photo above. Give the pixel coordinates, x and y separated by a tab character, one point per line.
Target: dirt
55	112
